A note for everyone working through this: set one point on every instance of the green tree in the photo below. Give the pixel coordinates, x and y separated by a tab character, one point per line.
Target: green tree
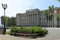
13	21
48	13
7	21
58	0
51	9
58	16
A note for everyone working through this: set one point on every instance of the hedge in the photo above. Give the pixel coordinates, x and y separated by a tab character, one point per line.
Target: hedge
35	30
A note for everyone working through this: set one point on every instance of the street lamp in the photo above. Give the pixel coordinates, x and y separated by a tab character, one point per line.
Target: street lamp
4	7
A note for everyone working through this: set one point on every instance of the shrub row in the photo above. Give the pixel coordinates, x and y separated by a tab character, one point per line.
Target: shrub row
34	30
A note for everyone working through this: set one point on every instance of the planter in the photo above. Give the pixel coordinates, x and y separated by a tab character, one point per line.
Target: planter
23	33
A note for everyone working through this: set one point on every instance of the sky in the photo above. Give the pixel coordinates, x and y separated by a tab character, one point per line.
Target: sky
20	6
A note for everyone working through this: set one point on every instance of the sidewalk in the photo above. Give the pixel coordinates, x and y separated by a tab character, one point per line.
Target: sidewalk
8	37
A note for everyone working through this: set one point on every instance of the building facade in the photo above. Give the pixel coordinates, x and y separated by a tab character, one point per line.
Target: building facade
30	18
34	17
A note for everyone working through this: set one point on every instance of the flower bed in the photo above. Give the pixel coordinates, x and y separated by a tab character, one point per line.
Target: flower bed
37	30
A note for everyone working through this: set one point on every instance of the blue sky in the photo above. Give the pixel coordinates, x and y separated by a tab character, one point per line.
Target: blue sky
20	6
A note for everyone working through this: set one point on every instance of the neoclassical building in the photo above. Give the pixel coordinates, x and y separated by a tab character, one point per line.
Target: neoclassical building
35	17
30	18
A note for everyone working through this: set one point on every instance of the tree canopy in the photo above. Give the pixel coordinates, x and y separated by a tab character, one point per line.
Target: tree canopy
8	21
58	0
48	13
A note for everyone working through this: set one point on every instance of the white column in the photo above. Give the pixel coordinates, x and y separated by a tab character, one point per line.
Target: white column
29	20
32	19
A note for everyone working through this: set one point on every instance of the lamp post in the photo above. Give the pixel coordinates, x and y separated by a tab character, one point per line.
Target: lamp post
4	7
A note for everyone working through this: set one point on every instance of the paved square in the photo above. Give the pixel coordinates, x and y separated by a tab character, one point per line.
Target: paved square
53	34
